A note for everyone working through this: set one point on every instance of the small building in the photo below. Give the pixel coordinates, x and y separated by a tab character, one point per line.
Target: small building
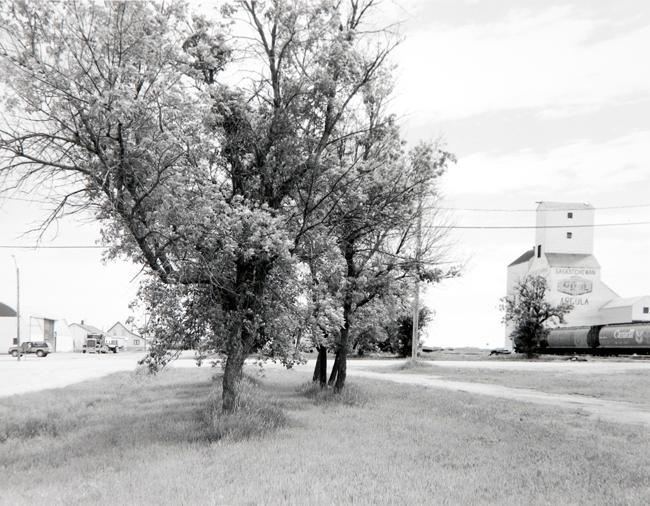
633	309
126	339
82	331
33	328
54	332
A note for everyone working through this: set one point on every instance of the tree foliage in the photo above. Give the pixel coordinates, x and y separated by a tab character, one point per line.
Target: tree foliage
531	314
214	187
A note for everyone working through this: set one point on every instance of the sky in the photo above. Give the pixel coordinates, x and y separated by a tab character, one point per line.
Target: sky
539	101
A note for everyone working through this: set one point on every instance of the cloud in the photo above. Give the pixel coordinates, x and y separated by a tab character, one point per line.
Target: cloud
552	59
578	169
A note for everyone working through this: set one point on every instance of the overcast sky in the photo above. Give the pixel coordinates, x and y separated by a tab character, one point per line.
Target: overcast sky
540	101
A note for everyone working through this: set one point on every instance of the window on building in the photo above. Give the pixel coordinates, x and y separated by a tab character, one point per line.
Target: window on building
569	235
539	251
569	215
136	342
645	310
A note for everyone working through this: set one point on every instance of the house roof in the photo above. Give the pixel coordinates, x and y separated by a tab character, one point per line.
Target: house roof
564	206
120	324
6	310
572	260
624	302
89	328
523	258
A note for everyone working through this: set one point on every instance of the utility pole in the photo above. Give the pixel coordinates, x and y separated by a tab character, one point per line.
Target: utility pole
416	298
17	307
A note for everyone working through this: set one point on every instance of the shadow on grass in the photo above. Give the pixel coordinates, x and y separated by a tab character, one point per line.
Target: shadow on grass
126	411
351	395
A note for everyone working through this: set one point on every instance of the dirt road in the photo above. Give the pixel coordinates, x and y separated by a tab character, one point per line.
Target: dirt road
612	411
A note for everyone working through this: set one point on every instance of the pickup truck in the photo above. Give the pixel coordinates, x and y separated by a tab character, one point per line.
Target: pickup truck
40	348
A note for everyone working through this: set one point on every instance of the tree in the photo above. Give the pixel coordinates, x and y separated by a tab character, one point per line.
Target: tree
402	335
371	217
531	314
208	185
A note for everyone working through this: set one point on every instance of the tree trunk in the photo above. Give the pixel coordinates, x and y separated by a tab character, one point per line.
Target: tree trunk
320	370
316	375
335	368
340	364
343	358
242	305
232	377
322	375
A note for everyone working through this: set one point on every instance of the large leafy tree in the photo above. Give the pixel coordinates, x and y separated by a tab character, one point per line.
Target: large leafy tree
210	185
531	314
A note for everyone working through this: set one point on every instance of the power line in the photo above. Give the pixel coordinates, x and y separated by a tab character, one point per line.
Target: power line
442	208
21	199
516	227
504	210
429	227
37	246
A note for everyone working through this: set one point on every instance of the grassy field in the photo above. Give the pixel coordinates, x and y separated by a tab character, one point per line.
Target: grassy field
630	386
133	439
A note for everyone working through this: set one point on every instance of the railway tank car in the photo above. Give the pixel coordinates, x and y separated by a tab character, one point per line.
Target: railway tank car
631	337
600	339
573	339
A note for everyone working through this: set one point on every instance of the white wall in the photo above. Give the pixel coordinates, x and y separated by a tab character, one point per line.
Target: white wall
554	240
581	287
621	314
7	333
64	338
637	310
78	336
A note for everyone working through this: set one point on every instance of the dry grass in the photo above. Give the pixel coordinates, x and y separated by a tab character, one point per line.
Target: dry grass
147	442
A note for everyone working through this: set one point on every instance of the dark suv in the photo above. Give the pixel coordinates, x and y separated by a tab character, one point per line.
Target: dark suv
41	348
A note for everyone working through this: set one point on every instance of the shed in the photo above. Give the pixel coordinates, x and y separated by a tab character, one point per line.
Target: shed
626	310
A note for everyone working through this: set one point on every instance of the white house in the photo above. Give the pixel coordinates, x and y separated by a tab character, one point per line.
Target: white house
563	254
126	338
80	332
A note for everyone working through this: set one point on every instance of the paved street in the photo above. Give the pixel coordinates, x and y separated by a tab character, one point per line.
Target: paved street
58	370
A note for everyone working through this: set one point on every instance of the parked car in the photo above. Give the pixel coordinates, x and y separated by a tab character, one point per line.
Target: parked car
40	348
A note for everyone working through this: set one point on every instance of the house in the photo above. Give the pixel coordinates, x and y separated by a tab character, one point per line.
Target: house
130	341
80	332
